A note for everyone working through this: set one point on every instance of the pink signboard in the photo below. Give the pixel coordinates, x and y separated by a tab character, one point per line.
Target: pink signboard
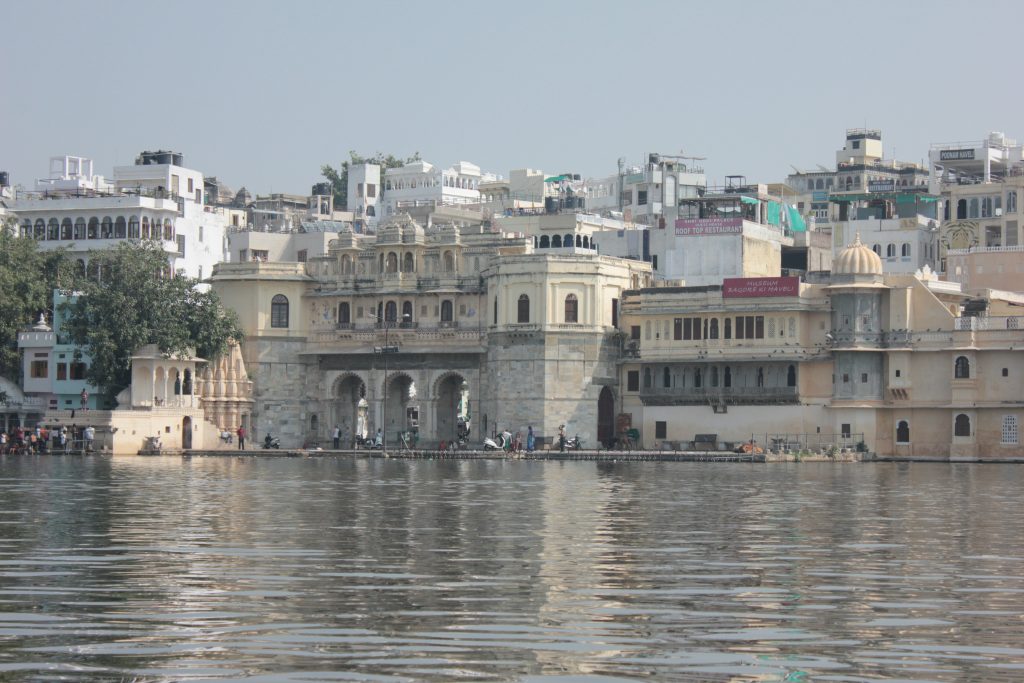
744	287
709	226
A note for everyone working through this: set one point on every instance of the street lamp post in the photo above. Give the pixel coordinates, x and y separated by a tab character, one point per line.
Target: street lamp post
385	351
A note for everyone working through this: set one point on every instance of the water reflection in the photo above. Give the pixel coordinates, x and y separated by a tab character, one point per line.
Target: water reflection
325	569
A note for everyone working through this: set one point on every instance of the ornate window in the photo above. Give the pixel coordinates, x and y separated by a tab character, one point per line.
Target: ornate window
133	228
524	309
446	311
791	376
391	312
903	432
279	311
962	368
571	309
1010	435
962	425
344	313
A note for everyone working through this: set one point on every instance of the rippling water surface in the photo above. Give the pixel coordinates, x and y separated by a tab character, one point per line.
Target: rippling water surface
159	569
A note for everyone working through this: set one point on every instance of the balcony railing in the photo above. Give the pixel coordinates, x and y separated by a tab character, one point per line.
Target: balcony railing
729	395
1011	322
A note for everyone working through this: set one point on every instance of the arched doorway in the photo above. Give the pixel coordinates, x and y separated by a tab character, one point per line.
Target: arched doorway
349	392
605	417
452	402
401	396
186	432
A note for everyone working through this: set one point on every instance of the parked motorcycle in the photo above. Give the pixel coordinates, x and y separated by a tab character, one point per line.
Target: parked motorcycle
503	442
574	444
271	442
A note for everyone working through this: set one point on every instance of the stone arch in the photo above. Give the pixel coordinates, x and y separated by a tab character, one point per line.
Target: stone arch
401	395
451	402
348	410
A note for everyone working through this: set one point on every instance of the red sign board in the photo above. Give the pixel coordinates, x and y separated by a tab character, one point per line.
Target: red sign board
750	287
709	226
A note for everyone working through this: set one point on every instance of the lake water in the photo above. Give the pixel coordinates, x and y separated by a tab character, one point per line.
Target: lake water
283	569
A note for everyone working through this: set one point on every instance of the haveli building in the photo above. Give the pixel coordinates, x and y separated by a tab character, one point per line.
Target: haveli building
414	328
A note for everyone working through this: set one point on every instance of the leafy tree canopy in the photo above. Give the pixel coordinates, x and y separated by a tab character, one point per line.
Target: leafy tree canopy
28	277
338	177
134	303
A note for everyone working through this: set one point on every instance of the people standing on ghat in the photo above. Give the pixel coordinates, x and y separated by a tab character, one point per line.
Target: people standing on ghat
62	439
337	437
85	399
241	437
530	440
89	435
561	438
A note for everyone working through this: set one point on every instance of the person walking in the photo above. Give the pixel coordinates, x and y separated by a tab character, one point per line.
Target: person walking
89	435
337	437
530	441
63	439
241	437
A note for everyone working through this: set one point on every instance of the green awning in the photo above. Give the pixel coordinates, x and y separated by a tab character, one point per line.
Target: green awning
748	200
556	179
774	213
796	221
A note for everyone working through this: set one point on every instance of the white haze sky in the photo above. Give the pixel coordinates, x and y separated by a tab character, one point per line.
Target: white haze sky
262	94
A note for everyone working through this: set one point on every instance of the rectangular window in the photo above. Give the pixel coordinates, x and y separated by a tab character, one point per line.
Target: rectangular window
641	197
78	371
260	255
1006	372
359	312
181	246
371	190
863	378
633	380
627	197
615	312
301	256
175	183
687	328
845	429
62	371
191	184
1010	430
739	328
897	373
758	327
846	378
677	329
634	332
660	429
39	369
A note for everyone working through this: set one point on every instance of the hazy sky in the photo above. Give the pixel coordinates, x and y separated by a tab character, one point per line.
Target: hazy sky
262	94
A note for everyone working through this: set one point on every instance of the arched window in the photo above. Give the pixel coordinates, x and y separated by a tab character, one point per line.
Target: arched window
877	248
579	240
168	229
791	376
586	242
133	227
903	432
370	211
544	242
391	312
647	378
728	328
53	229
120	226
972	210
524	309
94	228
666	378
407	312
392	266
571	309
727	377
714	375
818	184
449	262
145	228
962	368
66	229
905	250
26	228
962	425
105	226
344	313
890	251
556	241
346	265
567	241
279	311
407	266
446	311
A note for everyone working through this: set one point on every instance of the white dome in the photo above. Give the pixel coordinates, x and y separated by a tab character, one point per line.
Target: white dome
857	259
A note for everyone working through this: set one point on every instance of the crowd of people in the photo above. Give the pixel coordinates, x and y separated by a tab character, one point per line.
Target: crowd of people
41	440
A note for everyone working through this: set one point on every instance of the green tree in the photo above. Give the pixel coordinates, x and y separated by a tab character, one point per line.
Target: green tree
338	177
136	302
28	277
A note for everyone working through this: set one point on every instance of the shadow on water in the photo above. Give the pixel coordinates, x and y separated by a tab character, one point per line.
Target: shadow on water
333	569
